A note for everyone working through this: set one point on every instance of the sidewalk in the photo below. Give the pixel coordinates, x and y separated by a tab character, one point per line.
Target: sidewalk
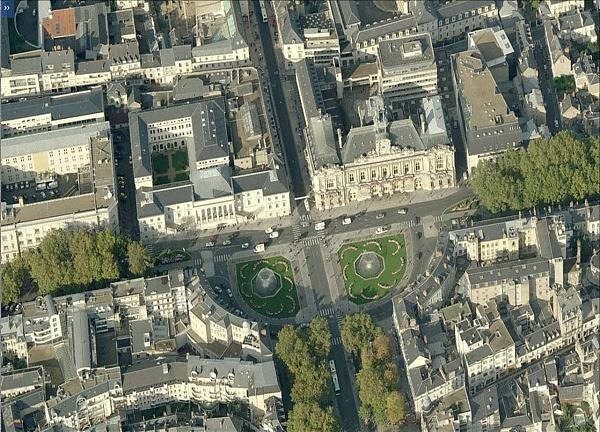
384	203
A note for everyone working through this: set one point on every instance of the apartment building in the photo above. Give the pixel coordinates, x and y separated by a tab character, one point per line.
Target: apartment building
50	178
200	380
407	68
433	365
52	112
487	124
514	282
560	60
12	337
559	7
487	347
42	321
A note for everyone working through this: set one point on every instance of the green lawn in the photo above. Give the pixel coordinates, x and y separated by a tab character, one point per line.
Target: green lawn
283	303
182	176
392	258
160	163
179	159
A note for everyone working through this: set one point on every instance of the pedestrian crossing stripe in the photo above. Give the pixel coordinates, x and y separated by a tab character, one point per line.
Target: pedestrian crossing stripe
221	258
327	312
336	340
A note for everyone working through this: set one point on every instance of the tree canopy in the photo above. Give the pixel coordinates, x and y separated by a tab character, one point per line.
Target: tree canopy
304	353
310	417
68	261
358	331
380	400
553	171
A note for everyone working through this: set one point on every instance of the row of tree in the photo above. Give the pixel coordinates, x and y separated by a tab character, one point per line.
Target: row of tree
558	170
68	261
304	353
380	400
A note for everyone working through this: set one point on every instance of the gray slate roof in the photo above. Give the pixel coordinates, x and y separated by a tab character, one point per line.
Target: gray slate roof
59	106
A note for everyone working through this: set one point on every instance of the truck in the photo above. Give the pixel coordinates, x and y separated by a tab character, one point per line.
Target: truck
259	247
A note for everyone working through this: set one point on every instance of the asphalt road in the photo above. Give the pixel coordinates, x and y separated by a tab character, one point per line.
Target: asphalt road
125	183
285	129
345	400
542	58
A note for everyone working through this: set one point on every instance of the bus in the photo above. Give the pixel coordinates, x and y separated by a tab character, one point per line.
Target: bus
263	10
334	378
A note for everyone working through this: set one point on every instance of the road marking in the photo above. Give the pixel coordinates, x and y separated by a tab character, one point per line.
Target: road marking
312	241
337	340
221	258
305	217
296	232
327	312
438	218
197	262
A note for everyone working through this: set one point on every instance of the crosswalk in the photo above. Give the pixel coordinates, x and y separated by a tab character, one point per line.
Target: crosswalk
336	340
151	249
327	312
221	258
407	224
197	262
313	241
305	218
438	218
296	233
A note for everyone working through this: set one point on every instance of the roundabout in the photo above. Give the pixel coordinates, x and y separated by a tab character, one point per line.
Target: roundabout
372	268
267	287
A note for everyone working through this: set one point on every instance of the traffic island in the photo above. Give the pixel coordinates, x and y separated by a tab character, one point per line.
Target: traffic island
267	286
372	268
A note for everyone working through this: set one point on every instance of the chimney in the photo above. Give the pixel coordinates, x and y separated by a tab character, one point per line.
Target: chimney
423	124
578	261
339	135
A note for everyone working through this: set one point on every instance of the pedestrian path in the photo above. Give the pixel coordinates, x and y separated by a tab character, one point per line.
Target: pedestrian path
222	258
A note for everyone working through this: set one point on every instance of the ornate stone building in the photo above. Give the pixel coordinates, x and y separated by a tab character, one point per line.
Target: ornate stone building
379	159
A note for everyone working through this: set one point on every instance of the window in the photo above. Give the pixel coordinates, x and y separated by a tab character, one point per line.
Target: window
362	176
373	174
417	166
351	177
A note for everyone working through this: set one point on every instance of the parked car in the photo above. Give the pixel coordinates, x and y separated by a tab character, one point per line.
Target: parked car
347	221
274	234
269	230
380	216
382	229
402	211
210	244
226	242
245	245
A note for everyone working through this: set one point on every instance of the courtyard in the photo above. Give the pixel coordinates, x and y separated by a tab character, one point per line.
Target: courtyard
170	166
372	268
268	287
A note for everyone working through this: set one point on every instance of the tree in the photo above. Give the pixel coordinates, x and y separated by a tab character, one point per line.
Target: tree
310	384
358	330
140	260
292	349
310	417
560	169
52	263
396	408
382	348
15	275
319	338
372	394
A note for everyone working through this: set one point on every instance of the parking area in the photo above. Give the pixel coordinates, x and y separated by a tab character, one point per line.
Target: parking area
31	192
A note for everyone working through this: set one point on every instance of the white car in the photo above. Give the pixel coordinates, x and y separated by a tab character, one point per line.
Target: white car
402	211
382	229
209	244
269	230
347	221
245	245
274	234
226	242
319	226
